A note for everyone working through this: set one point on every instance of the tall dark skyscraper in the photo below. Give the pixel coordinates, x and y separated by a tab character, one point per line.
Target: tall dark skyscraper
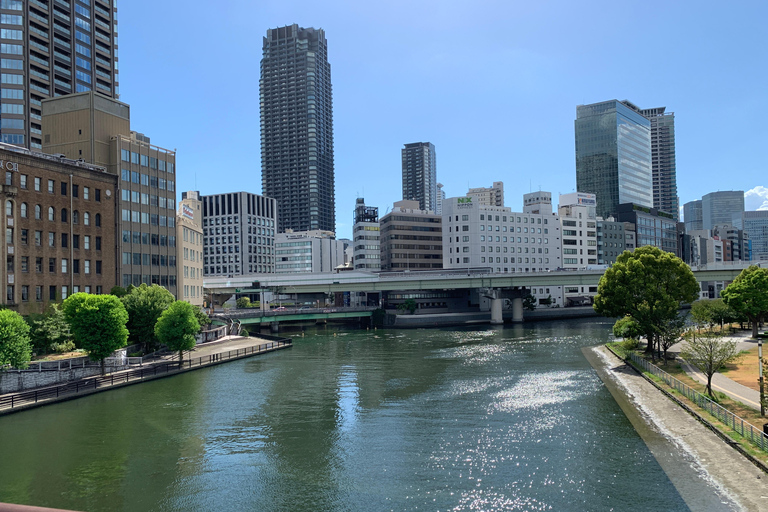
613	155
52	48
420	174
297	128
663	163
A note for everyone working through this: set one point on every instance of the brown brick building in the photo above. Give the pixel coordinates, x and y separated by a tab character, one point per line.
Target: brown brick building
60	224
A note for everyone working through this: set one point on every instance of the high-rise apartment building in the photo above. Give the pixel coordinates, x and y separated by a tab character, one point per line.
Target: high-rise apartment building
663	162
440	199
53	48
491	196
720	207
365	237
692	216
97	129
613	155
297	128
238	234
420	174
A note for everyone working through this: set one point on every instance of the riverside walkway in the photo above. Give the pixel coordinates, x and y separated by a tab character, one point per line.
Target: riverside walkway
720	382
209	354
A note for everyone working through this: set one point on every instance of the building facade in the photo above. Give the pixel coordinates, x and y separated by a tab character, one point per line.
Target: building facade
308	251
652	227
477	235
96	129
297	128
693	216
440	199
613	155
420	174
366	237
579	230
411	238
60	229
238	234
613	238
663	161
492	196
52	49
755	224
189	233
720	207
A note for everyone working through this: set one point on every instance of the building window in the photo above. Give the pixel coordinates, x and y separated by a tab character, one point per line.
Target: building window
51	184
51	213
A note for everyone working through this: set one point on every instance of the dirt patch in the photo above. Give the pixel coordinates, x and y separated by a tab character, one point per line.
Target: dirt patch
56	357
745	370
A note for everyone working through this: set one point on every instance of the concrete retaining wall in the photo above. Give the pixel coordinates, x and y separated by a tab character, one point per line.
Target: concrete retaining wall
15	381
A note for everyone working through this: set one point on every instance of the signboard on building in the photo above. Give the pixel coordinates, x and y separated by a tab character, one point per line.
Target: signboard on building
188	212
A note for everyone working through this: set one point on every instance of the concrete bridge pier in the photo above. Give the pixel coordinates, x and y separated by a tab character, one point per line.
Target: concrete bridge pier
497	317
517	310
274	326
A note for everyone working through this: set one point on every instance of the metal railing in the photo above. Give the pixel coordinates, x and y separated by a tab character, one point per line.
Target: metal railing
88	385
735	423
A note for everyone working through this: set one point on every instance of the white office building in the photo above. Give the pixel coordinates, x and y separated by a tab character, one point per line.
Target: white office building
308	251
579	241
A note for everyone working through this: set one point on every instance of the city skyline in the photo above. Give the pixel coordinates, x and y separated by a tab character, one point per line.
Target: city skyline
426	84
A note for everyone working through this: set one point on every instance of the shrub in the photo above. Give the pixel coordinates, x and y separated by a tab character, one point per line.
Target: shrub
244	332
629	345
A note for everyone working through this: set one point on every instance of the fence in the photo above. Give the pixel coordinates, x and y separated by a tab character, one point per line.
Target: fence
734	422
88	385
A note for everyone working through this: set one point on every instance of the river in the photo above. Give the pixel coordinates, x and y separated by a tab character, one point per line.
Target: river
462	419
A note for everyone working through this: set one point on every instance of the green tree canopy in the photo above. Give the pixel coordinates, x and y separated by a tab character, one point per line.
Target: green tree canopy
97	323
748	295
649	285
177	326
144	305
243	302
15	347
202	318
626	328
50	332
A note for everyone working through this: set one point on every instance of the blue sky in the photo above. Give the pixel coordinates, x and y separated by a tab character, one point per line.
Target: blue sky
493	84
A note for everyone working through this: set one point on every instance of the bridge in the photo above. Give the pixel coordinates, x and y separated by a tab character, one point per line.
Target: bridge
273	318
358	281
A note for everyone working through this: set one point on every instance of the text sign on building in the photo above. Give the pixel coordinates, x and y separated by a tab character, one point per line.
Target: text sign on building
9	166
464	202
188	212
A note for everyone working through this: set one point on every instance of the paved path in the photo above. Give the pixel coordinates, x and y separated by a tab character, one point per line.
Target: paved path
720	382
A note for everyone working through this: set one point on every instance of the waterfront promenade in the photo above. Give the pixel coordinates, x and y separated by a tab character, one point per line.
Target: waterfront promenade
734	475
209	354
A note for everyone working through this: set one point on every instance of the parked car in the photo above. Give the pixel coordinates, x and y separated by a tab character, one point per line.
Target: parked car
281	308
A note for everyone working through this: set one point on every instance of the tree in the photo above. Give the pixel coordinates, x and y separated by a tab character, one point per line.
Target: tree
177	326
710	312
649	285
50	332
118	291
529	302
15	347
409	305
670	334
626	328
748	295
144	305
97	323
243	302
202	318
709	353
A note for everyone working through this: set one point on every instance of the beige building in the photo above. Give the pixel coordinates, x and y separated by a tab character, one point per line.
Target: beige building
411	239
492	196
59	218
189	228
97	130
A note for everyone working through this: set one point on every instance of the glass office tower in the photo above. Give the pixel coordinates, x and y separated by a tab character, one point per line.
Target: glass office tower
297	128
53	48
692	216
720	207
613	155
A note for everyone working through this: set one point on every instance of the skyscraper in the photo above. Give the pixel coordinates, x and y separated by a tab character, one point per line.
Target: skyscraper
720	207
420	174
663	163
692	216
51	49
297	128
613	155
